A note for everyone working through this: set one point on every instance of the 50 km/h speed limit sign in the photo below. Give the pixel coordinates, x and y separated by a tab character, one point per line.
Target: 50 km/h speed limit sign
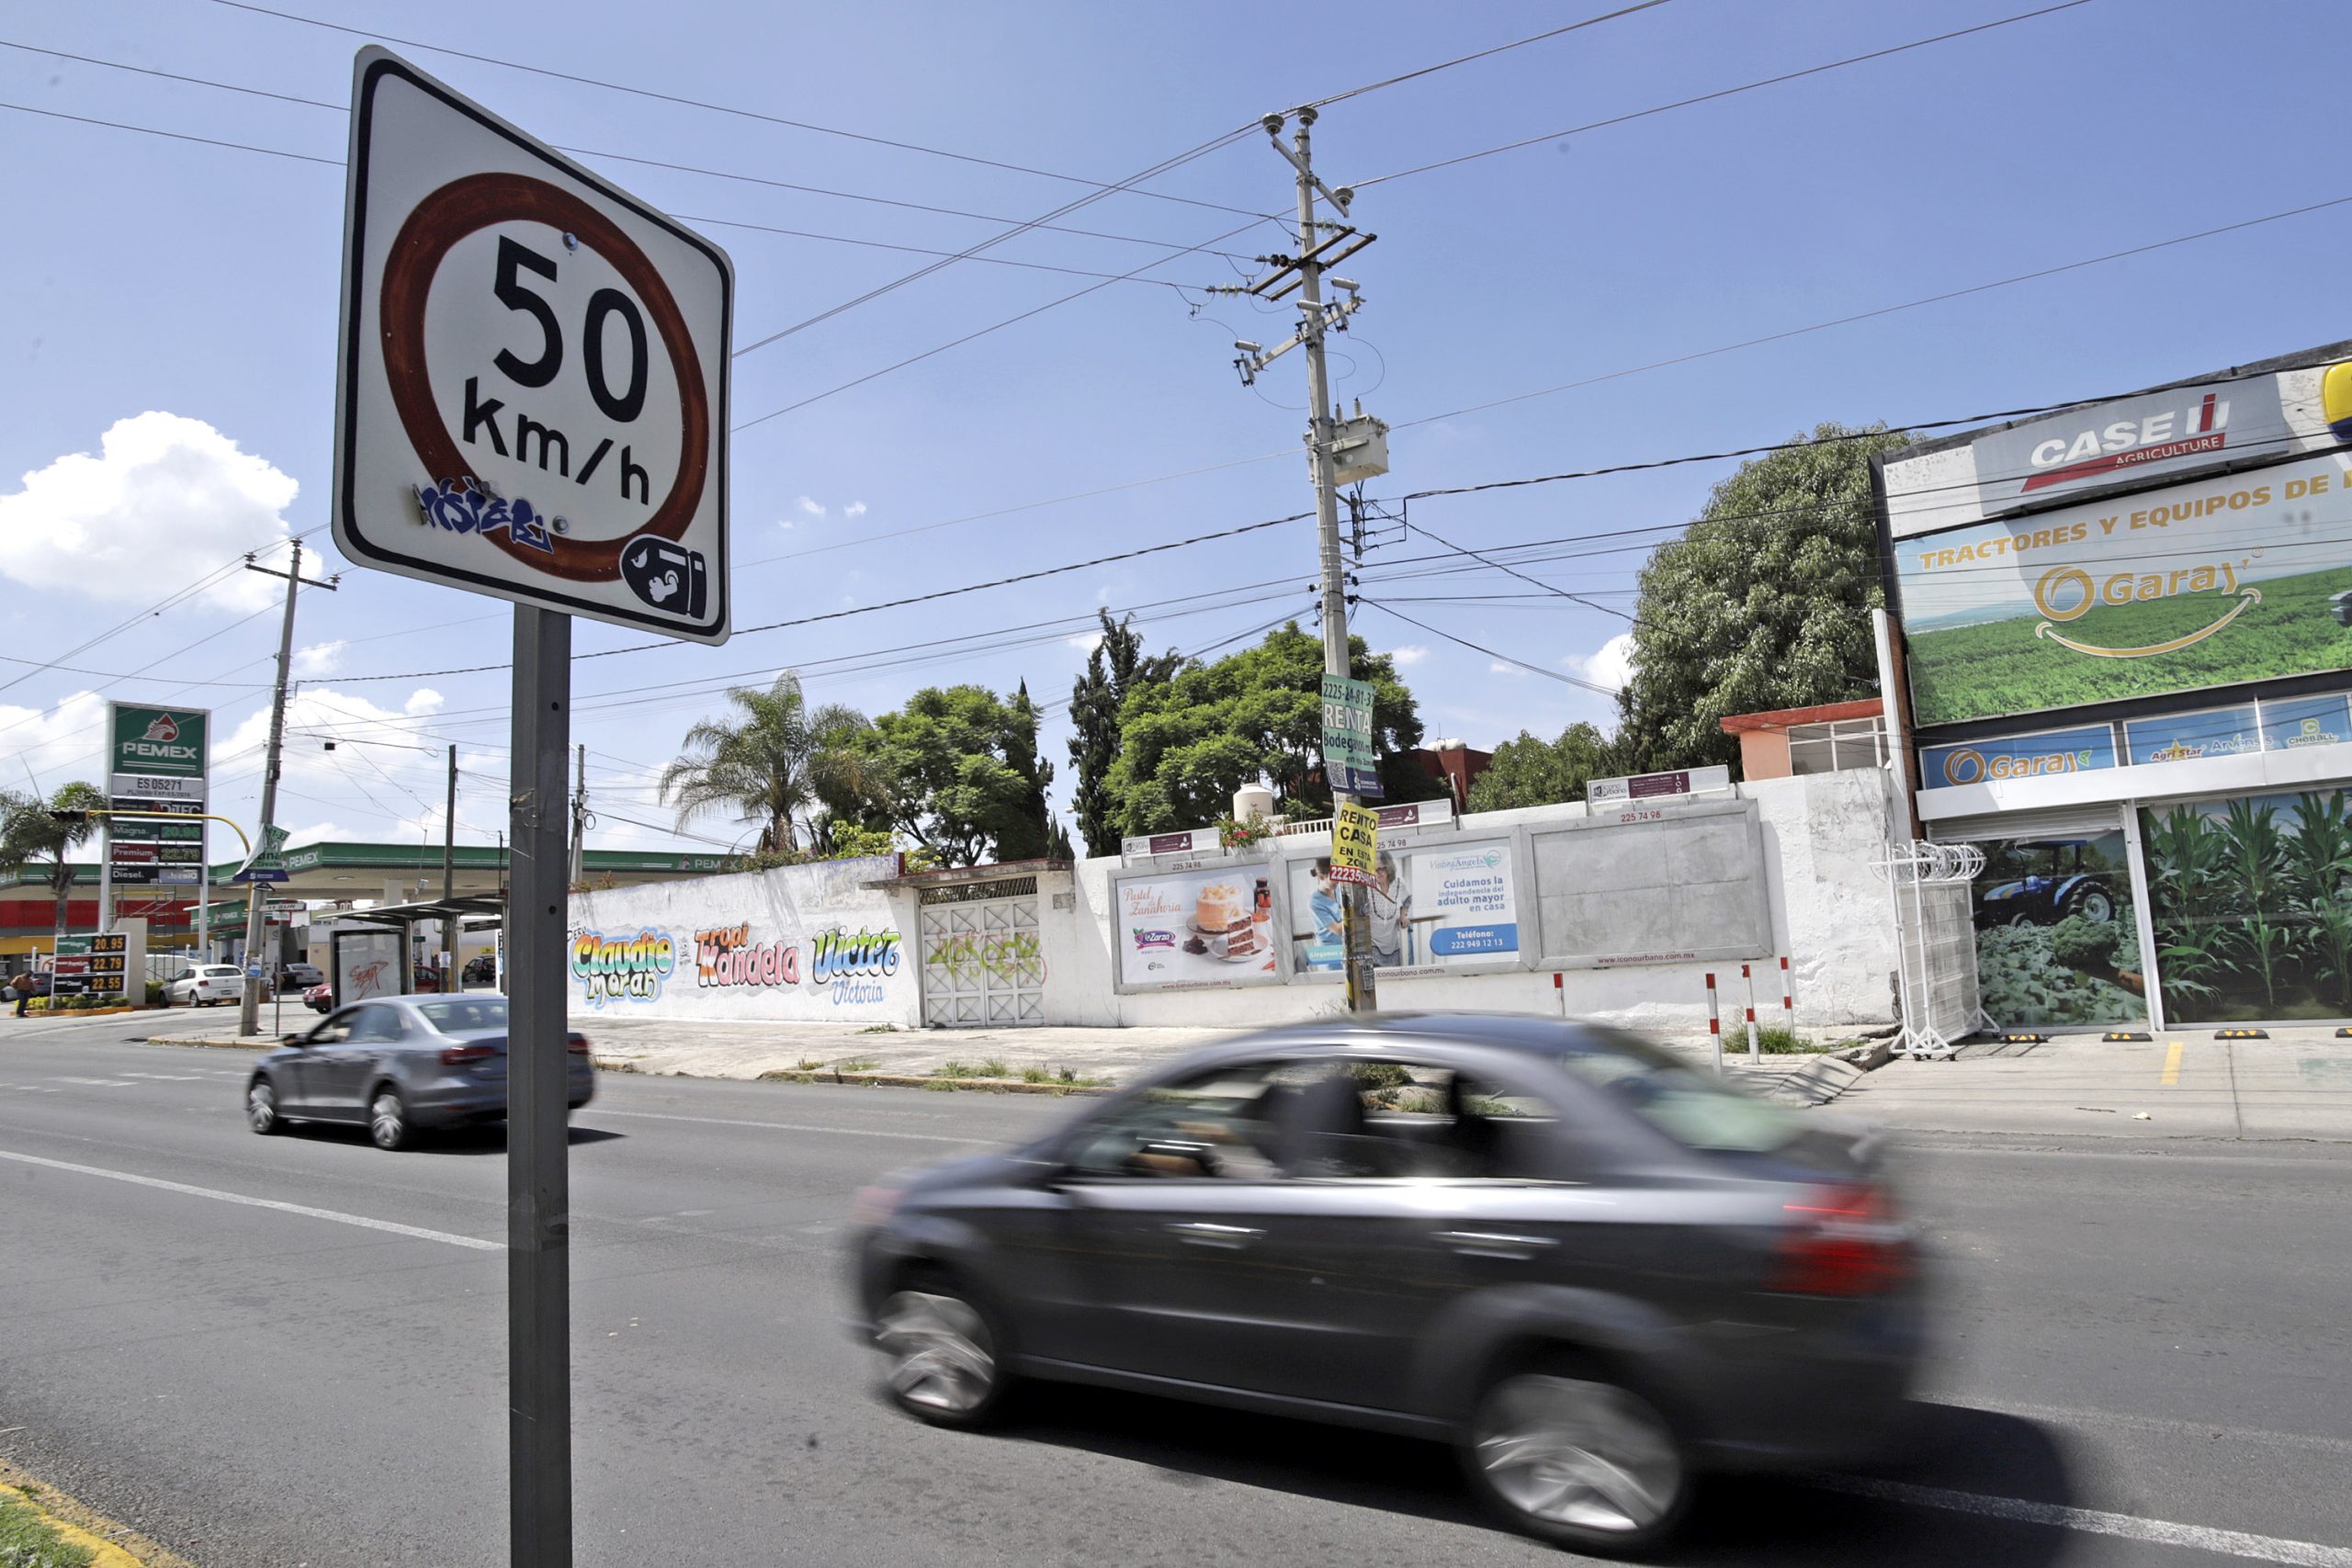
532	400
531	403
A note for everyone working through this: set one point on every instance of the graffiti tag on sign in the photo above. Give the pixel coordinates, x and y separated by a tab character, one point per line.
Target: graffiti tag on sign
853	963
726	955
628	968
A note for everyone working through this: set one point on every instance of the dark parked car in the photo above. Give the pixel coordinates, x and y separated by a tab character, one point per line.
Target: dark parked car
398	1064
1593	1268
299	977
481	970
2063	877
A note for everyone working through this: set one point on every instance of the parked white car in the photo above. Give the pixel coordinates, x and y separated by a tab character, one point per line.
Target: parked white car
206	984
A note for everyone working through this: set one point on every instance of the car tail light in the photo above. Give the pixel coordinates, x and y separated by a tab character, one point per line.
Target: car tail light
1843	1241
577	1045
460	1056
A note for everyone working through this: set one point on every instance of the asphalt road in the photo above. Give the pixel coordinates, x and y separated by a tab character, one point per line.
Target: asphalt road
2144	1361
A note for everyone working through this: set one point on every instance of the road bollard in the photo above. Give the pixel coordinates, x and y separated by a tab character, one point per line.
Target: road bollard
1788	1000
1755	1053
1714	1024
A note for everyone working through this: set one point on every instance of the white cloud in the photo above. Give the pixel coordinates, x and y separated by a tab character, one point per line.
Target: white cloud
1411	653
785	523
1500	667
1086	642
318	833
56	746
165	501
811	508
319	659
424	700
1610	666
855	509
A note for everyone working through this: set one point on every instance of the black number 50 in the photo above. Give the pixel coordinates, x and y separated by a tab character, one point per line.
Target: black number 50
514	257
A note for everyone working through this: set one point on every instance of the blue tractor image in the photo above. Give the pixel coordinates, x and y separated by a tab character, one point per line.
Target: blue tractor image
2061	877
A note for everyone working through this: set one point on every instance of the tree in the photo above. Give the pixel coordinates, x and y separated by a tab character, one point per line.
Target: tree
1531	771
1186	746
956	770
1035	837
28	831
772	767
1058	844
1116	667
1764	603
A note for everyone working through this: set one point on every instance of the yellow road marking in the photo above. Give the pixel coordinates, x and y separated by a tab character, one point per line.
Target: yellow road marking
2172	1063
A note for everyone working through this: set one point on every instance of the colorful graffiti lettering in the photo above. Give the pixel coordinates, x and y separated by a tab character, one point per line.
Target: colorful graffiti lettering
622	968
468	506
726	955
850	965
1015	957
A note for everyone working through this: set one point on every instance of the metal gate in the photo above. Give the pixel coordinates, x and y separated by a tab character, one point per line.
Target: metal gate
983	961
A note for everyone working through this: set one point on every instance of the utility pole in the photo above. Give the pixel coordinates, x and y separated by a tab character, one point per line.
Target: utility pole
578	865
450	873
249	1009
1319	252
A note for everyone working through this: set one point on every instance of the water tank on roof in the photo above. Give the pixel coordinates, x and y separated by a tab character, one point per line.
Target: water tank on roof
1253	800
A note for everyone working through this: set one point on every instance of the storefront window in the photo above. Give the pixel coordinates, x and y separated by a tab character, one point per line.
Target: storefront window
2252	906
2055	939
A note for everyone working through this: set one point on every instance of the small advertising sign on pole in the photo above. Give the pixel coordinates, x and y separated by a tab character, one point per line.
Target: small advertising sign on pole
531	403
1349	763
1355	844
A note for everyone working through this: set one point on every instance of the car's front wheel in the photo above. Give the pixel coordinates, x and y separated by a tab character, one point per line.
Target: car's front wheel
388	1120
260	1107
1570	1455
942	1355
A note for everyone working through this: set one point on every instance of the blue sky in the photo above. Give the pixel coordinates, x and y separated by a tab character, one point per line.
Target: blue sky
170	345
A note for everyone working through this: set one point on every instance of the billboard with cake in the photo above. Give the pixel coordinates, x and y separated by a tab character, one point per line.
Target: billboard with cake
1196	928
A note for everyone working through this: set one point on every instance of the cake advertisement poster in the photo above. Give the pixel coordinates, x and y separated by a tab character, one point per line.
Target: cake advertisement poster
1198	928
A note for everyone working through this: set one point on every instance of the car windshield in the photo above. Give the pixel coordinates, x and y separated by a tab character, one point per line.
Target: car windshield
1690	1107
223	971
465	1015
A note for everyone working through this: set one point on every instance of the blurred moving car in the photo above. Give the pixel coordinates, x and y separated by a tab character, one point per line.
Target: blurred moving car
399	1064
203	984
320	997
1594	1269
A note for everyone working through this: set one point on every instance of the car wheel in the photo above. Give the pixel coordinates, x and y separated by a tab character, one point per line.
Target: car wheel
942	1351
388	1123
260	1107
1569	1455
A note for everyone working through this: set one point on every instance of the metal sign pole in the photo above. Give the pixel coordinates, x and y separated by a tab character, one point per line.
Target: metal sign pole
539	1205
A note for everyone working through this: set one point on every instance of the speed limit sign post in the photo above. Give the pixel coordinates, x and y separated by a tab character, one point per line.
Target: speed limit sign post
531	403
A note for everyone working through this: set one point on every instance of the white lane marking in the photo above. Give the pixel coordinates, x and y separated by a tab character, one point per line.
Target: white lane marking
2097	1521
168	1078
476	1243
2167	1426
789	1126
101	1083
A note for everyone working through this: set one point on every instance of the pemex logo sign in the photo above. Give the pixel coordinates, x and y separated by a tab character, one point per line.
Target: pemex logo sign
157	743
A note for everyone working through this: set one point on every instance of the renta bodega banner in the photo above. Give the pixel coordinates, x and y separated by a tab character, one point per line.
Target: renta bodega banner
2241	577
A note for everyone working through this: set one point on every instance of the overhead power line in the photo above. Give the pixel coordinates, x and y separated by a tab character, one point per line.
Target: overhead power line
1484	53
720	108
1720	93
341	108
1507	659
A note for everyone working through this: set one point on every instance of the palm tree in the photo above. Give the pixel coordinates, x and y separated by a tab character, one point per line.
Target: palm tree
28	830
773	766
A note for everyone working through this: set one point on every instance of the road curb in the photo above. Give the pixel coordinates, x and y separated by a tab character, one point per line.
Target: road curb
924	1080
110	1545
214	1044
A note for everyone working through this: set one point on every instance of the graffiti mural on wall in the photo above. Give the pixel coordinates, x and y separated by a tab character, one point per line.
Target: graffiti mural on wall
851	965
1012	957
621	968
726	955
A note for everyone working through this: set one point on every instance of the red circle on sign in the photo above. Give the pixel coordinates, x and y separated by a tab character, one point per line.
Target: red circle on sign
463	207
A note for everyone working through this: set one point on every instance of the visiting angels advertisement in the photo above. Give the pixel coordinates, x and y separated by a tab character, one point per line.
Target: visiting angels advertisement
2240	578
1432	906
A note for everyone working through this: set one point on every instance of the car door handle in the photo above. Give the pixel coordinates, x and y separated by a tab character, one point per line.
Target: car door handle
1201	1232
1494	1244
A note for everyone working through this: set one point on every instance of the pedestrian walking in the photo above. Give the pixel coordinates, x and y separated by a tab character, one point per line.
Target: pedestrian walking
22	988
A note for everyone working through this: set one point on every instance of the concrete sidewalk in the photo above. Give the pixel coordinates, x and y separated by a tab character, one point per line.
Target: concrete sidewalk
2182	1084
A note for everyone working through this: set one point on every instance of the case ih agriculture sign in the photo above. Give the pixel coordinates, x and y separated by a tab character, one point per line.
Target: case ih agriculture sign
532	400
